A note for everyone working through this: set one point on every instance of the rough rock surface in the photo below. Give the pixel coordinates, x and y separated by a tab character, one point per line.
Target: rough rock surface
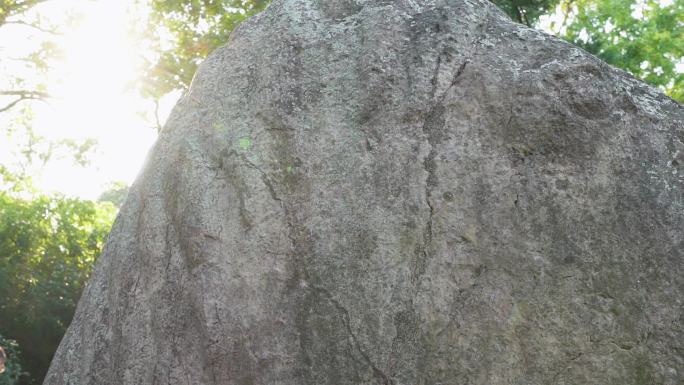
396	192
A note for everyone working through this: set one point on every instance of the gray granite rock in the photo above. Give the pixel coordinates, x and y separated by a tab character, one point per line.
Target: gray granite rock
396	192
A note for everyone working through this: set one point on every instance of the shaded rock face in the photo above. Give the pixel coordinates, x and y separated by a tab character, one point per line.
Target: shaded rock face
396	192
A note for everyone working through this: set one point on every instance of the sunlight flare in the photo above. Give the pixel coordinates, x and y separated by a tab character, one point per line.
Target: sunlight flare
94	97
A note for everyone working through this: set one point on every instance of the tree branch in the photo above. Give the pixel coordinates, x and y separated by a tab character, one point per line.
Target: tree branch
36	27
26	94
22	95
10	105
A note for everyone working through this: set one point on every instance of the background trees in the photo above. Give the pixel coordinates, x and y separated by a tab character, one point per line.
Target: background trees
48	245
185	33
644	38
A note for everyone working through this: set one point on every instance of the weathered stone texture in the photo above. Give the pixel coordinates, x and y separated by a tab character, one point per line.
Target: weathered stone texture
396	192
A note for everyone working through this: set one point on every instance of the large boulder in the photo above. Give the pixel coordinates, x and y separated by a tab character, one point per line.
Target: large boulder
396	192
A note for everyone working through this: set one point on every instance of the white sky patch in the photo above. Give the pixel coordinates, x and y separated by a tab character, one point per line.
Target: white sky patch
583	35
94	97
638	9
553	22
608	27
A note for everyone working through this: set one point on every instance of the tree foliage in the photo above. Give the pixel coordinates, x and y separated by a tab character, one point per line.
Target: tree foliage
47	249
12	8
115	194
644	38
47	243
187	31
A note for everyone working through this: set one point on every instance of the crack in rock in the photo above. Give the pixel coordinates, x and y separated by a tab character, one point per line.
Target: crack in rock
433	126
384	378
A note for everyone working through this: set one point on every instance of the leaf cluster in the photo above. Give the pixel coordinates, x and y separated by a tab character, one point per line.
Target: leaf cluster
47	249
186	32
115	194
11	8
644	38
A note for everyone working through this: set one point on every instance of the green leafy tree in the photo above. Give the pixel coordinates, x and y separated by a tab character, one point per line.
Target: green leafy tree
47	249
187	31
645	38
115	194
48	245
10	9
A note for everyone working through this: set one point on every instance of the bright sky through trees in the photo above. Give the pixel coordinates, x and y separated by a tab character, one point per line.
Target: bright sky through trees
93	98
93	94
